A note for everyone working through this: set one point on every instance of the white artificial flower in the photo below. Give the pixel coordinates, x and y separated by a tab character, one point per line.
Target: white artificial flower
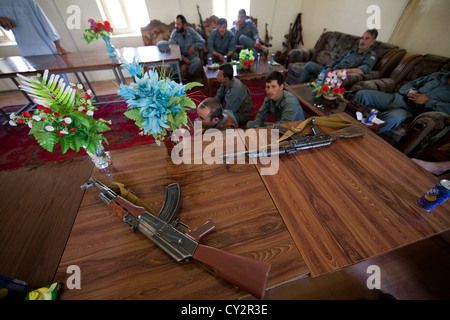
64	131
80	86
12	116
12	123
49	128
68	120
30	125
90	113
89	92
37	118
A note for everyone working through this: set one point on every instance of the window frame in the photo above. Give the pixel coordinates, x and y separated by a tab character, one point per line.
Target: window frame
106	15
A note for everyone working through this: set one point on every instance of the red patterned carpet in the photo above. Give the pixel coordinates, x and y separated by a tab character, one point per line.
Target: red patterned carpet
19	149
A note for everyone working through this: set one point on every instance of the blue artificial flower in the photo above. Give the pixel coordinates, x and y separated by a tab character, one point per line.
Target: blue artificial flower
133	68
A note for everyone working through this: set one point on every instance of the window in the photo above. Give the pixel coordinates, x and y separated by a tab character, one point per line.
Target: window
228	9
125	16
6	36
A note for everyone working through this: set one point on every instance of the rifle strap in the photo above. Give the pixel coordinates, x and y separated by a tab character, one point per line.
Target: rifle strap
320	121
119	188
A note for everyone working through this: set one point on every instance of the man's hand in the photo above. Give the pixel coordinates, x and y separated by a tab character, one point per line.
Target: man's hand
191	51
257	44
60	50
416	97
6	23
187	61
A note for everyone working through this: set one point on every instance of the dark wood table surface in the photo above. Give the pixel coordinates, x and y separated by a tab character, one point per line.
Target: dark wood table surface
309	105
118	264
352	200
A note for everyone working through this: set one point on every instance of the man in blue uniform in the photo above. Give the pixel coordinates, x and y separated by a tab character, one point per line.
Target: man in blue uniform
233	95
246	33
429	93
359	61
282	104
34	33
221	43
189	41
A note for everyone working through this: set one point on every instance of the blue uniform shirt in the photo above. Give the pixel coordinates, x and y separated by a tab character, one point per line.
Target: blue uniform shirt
364	61
219	44
34	33
192	38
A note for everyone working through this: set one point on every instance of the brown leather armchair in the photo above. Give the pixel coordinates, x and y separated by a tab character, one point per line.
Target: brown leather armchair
412	137
331	45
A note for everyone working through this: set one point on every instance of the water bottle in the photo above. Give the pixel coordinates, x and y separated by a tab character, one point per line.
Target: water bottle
225	58
321	77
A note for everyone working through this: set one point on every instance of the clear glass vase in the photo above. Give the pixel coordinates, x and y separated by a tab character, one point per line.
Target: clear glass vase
101	158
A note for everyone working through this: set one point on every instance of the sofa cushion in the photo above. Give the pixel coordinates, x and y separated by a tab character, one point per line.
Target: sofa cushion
325	57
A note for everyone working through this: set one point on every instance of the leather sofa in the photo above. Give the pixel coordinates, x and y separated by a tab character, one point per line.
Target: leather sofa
416	136
331	45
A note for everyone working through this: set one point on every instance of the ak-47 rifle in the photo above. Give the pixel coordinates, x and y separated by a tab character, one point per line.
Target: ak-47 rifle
297	142
202	32
246	273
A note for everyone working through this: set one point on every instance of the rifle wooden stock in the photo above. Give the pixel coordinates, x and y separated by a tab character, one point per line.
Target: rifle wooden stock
121	206
248	274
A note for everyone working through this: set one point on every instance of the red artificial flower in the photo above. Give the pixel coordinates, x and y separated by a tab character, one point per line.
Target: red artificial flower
336	91
66	124
47	110
251	62
60	133
84	110
86	96
40	106
20	121
73	130
56	114
245	63
325	88
342	90
27	114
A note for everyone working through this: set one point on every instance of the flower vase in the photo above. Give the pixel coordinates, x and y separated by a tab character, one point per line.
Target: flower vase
101	158
109	47
327	101
168	142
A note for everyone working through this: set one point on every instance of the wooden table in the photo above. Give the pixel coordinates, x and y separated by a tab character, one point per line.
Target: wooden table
304	95
352	200
39	206
118	264
257	71
81	62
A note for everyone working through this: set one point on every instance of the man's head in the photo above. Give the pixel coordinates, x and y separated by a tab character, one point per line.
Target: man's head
367	40
222	26
225	73
180	23
242	15
274	83
209	113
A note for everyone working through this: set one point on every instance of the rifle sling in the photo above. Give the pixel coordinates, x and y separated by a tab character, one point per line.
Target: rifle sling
320	121
119	188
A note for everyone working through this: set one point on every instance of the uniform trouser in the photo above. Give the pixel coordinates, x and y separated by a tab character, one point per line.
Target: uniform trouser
234	56
194	66
311	69
248	43
394	109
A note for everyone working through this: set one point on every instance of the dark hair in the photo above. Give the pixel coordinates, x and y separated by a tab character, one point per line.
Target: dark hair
215	109
227	70
373	32
242	11
275	75
182	18
221	21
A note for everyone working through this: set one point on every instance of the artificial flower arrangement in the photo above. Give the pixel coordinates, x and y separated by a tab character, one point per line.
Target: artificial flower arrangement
156	103
331	86
246	59
62	115
97	30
